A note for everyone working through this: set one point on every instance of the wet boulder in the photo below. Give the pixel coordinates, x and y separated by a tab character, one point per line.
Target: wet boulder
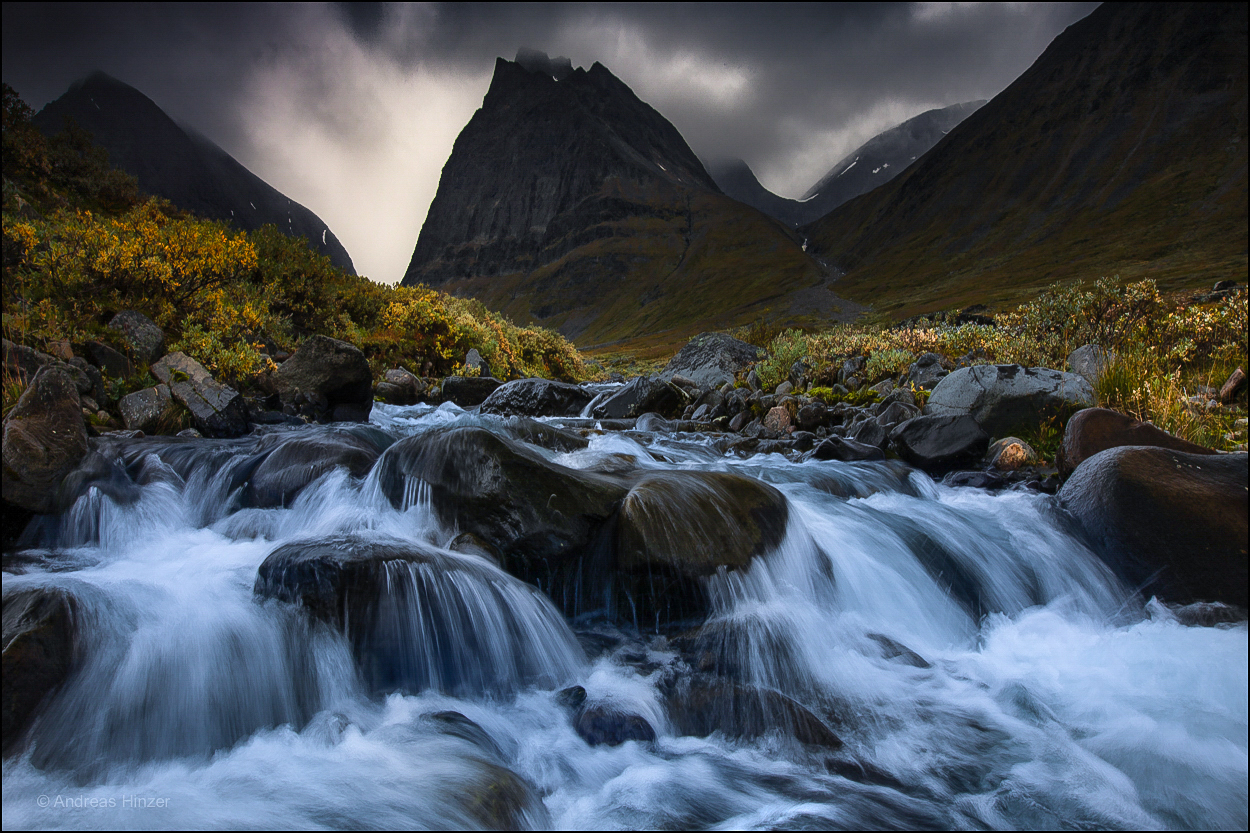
1096	429
328	380
145	410
839	448
1007	398
537	397
143	338
642	395
711	359
467	391
216	409
295	460
40	641
1172	522
938	443
44	439
677	527
538	515
605	725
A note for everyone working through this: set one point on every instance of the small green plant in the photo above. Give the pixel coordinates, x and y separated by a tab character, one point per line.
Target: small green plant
784	350
889	362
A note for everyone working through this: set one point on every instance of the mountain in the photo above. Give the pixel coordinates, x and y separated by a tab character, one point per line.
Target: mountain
1120	151
873	163
176	163
570	202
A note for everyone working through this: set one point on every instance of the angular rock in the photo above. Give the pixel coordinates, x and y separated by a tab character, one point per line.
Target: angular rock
474	360
467	391
112	363
1172	523
94	375
711	359
638	396
400	387
216	409
40	640
926	372
894	413
778	420
1008	398
333	378
837	448
44	439
22	362
143	338
1089	361
145	410
1096	429
537	397
938	443
852	367
868	432
604	725
1233	385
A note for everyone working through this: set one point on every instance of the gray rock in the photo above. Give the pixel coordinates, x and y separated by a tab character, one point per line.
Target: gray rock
638	396
93	373
854	366
711	359
333	378
474	359
784	388
926	372
1008	398
1089	361
838	448
753	380
144	339
537	397
23	362
939	442
144	410
400	387
896	412
1171	522
467	391
868	432
112	363
216	409
44	440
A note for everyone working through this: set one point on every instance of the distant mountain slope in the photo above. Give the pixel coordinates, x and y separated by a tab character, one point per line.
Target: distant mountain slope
180	165
1121	150
569	201
873	163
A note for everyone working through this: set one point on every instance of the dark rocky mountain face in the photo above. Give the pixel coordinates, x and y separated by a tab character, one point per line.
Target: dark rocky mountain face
873	163
570	201
176	163
1122	150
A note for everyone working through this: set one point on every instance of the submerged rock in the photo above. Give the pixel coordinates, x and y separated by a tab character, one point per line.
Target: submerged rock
604	725
297	459
1171	522
704	704
405	608
40	639
937	443
642	395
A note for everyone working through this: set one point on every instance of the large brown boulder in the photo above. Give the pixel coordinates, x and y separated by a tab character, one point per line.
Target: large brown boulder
1097	429
328	380
1170	522
44	439
39	646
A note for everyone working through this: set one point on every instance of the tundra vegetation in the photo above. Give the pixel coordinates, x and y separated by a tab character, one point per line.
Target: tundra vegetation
81	243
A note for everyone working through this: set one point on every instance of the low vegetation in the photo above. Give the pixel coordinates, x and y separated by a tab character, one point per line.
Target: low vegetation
1168	354
81	243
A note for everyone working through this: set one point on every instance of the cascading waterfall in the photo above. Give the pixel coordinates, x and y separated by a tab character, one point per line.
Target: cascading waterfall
979	665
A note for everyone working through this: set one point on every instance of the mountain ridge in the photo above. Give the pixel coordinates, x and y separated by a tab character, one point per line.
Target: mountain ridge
179	163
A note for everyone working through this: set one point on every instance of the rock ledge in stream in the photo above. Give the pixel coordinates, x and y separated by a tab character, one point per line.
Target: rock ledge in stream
44	439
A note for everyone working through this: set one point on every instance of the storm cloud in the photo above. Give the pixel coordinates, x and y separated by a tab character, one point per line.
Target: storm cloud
353	109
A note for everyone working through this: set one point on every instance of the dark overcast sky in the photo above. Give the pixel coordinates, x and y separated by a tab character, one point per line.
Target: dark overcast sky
352	110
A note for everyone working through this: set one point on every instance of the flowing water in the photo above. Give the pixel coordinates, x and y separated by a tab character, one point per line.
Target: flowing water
982	668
